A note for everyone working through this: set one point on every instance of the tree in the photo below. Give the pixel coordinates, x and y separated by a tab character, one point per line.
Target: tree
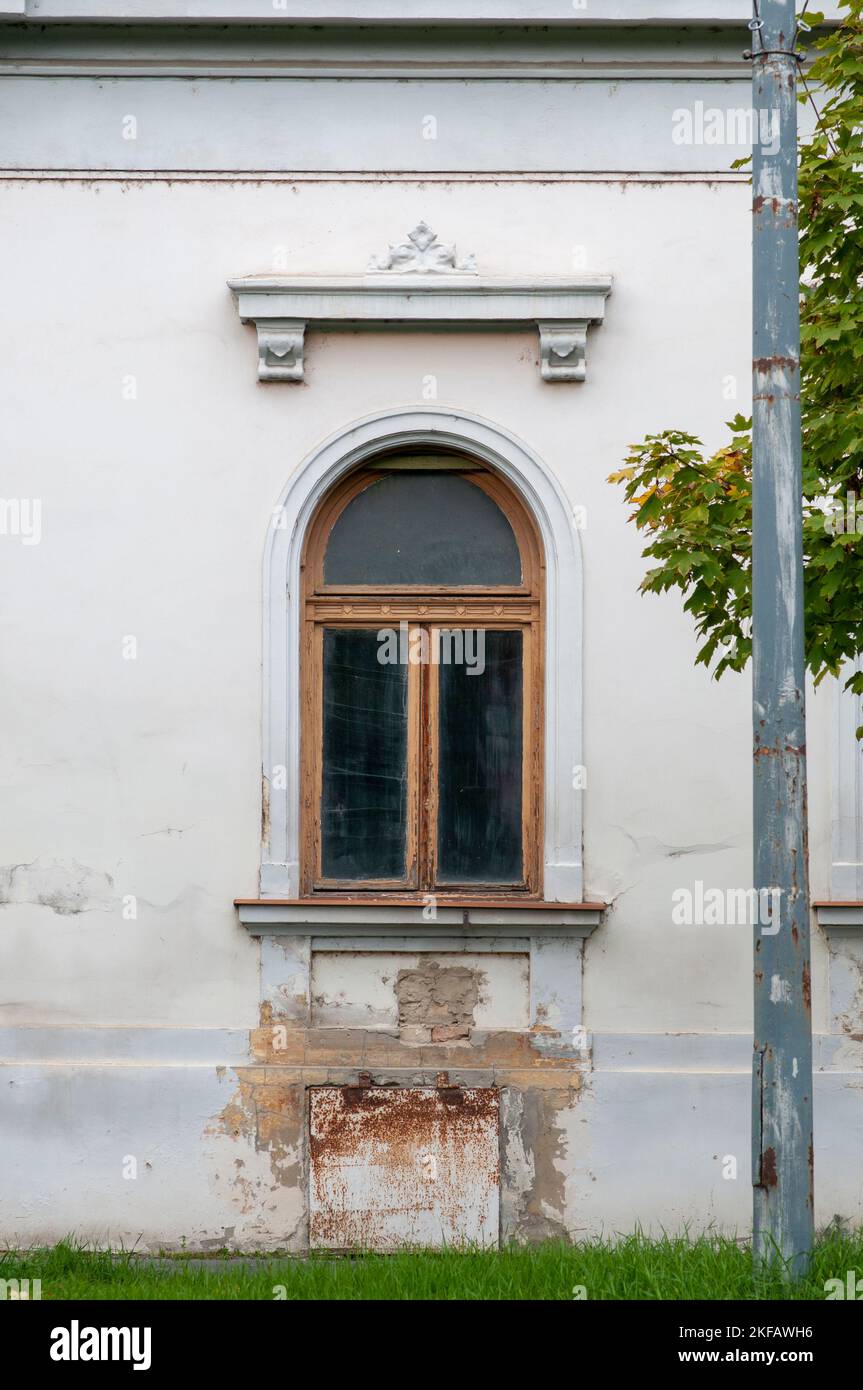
696	509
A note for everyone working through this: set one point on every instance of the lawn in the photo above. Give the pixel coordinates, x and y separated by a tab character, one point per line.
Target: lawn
628	1268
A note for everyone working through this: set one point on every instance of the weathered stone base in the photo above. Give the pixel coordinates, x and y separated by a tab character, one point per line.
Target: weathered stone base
169	1138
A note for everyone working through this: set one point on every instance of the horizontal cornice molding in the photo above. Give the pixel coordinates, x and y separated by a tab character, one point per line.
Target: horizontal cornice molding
395	12
371	53
283	307
374	71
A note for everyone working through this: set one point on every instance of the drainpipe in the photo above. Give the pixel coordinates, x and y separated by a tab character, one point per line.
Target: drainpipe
782	1060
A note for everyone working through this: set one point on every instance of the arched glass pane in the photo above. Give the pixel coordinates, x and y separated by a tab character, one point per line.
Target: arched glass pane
422	528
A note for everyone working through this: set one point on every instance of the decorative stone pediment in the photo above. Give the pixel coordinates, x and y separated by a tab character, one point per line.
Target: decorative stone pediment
421	283
422	252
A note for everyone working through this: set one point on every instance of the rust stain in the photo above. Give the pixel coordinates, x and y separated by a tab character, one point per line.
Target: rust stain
766	365
386	1161
768	1168
395	1117
807	988
765	751
776	205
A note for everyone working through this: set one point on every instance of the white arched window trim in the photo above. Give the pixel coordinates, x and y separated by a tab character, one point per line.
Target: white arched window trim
846	880
528	475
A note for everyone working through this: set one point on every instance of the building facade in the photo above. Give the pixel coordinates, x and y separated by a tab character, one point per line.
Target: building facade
325	325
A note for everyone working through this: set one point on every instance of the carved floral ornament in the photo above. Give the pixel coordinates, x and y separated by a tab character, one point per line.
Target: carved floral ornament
422	252
421	282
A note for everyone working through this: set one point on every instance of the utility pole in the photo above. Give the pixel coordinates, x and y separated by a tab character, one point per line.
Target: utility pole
782	1060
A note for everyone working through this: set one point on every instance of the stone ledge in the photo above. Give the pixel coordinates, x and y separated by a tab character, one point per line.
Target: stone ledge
265	917
839	915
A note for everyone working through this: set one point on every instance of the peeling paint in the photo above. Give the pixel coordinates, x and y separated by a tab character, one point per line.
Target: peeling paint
66	888
542	1214
255	1154
440	998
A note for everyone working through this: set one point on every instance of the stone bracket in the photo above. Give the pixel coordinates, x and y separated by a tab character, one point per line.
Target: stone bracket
280	349
562	350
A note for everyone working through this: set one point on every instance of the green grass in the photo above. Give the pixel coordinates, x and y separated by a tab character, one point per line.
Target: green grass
628	1268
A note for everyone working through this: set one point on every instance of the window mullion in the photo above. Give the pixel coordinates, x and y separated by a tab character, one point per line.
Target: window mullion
427	766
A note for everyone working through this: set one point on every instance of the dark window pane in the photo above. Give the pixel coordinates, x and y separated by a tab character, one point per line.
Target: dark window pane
422	528
364	793
479	805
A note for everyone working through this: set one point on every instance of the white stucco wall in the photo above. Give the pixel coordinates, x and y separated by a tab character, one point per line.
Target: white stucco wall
154	515
129	407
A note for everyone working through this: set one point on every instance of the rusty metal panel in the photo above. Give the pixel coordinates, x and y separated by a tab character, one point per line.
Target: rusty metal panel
397	1166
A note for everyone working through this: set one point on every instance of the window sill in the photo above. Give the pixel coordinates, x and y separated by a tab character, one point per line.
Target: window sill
381	917
839	915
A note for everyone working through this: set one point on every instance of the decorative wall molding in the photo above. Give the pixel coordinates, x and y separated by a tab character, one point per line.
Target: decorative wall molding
418	427
842	924
420	282
517	12
846	872
280	350
422	252
562	351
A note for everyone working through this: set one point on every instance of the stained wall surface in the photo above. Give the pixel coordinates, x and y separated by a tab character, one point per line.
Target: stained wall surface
138	1018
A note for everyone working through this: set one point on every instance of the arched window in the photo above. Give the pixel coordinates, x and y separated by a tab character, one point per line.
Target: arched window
422	711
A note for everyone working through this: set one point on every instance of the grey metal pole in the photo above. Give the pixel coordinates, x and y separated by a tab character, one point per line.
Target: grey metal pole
782	1061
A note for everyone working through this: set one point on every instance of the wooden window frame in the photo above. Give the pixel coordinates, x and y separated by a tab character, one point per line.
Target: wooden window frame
432	606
